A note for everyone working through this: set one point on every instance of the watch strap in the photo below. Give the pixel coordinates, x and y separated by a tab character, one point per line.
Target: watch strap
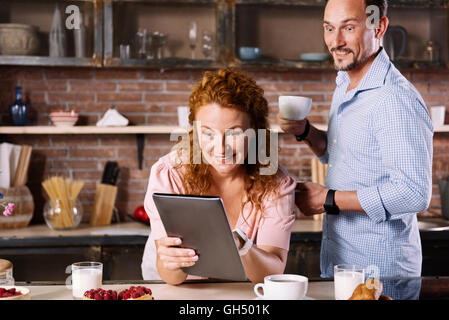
304	135
329	204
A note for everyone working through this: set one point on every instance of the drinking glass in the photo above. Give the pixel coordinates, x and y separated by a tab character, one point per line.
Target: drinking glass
124	51
207	43
346	278
85	276
193	34
142	43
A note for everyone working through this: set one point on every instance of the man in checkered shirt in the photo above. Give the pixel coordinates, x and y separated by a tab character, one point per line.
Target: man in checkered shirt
378	148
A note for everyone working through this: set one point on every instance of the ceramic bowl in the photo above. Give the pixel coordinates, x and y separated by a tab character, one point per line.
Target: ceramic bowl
64	118
18	39
314	56
24	296
250	53
294	107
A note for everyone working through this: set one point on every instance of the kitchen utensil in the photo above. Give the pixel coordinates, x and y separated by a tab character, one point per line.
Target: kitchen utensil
18	110
250	53
6	273
142	43
431	51
158	41
64	118
23	164
294	107
193	34
318	176
207	43
110	173
62	210
25	293
79	35
57	38
395	42
23	209
346	278
282	287
105	196
85	276
314	56
18	39
62	214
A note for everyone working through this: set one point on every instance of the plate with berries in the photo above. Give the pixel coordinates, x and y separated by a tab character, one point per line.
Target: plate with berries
132	293
14	293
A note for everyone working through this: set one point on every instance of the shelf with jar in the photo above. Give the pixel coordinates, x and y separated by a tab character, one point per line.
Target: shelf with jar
51	33
289	34
165	34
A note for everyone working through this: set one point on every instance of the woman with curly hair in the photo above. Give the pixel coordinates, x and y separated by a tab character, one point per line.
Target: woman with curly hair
223	107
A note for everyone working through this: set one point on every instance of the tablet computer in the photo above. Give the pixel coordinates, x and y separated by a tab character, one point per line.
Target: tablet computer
202	224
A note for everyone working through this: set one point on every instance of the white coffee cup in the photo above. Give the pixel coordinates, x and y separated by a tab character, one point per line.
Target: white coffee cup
294	107
437	115
282	287
183	117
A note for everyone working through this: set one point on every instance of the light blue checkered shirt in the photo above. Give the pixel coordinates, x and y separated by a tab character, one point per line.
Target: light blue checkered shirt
379	143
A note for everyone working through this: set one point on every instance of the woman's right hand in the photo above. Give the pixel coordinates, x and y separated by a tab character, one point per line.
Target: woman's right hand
172	257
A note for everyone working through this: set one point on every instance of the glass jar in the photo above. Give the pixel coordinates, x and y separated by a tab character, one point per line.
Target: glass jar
6	275
62	214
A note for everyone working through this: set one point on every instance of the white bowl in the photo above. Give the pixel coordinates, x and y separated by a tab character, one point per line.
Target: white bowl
24	296
294	107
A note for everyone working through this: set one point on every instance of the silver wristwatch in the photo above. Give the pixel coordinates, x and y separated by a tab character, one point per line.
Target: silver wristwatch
247	243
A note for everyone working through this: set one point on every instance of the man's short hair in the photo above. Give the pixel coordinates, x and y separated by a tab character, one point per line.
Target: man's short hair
381	4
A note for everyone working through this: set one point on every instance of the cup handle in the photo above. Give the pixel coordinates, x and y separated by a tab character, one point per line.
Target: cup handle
257	291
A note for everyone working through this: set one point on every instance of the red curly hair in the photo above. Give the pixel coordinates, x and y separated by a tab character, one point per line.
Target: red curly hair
231	89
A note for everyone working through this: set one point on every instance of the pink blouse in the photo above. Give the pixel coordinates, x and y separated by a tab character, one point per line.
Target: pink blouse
273	229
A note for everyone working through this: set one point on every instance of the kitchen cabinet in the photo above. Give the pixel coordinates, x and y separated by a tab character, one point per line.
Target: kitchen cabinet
267	24
40	14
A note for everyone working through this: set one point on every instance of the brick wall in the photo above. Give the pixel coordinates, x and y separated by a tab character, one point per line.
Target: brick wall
151	97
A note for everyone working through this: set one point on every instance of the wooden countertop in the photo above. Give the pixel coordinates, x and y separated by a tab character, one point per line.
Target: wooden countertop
321	290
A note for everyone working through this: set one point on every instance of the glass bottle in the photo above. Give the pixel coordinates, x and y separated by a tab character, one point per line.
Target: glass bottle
18	110
6	276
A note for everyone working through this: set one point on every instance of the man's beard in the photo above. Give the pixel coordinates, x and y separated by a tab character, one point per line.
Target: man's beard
350	66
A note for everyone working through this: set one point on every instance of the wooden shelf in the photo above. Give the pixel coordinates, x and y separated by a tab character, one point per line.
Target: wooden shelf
49	61
148	129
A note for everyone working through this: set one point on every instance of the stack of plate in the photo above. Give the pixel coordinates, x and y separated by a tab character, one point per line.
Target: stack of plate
64	118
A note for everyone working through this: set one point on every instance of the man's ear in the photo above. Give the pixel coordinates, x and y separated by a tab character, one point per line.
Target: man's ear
383	26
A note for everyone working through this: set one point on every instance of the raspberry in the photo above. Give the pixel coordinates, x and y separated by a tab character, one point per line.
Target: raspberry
98	297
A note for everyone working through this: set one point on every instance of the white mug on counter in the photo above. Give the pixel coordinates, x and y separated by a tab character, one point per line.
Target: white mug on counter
86	276
282	287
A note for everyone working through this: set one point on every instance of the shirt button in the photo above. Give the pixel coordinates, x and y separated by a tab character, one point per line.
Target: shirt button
330	166
335	141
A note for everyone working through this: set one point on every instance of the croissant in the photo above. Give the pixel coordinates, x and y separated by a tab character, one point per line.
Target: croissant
370	290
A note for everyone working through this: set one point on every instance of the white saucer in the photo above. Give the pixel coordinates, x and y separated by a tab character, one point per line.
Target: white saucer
305	298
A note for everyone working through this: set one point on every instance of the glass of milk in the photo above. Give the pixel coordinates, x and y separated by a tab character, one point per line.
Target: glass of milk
86	276
346	278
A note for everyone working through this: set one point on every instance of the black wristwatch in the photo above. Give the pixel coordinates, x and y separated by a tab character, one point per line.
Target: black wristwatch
305	133
329	204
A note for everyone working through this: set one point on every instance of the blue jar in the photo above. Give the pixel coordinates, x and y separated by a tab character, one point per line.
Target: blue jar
18	110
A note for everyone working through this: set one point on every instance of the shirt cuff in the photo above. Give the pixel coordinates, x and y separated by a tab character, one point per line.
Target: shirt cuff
371	202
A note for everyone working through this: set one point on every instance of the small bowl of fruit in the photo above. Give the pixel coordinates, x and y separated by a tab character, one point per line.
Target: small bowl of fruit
14	293
132	293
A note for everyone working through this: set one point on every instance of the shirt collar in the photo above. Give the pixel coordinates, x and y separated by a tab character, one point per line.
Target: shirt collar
374	78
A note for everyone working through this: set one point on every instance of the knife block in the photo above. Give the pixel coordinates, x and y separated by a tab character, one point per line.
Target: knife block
103	205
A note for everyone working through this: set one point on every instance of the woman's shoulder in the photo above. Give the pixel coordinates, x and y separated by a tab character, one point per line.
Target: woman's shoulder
286	182
167	167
